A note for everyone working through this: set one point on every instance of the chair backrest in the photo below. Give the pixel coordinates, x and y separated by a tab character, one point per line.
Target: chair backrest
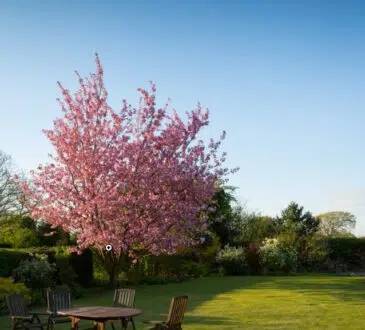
177	311
16	305
124	297
58	299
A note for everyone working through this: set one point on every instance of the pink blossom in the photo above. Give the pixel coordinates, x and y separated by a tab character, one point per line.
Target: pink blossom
137	177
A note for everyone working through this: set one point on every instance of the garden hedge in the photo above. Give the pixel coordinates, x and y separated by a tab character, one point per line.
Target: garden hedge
348	252
81	264
10	259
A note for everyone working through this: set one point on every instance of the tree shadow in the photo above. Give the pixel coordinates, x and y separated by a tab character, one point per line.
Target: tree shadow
209	320
342	288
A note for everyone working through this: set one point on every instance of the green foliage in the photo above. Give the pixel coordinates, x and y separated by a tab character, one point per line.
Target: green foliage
18	232
193	269
36	273
52	237
347	253
278	257
13	259
150	269
206	253
7	287
293	219
233	261
336	224
24	232
253	228
317	254
221	221
156	270
10	259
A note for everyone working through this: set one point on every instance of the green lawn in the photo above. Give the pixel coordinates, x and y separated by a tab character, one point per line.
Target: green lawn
300	302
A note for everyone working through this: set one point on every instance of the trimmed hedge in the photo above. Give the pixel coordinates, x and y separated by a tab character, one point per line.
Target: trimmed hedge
10	259
347	253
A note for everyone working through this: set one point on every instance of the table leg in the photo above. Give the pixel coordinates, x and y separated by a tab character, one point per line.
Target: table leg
74	323
100	325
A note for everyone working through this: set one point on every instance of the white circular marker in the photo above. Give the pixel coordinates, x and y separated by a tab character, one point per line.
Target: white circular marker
108	247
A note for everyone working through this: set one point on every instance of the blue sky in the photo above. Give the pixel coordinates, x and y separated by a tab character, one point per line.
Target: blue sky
285	81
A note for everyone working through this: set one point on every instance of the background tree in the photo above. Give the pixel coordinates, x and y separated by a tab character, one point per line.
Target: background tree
22	232
222	219
18	232
138	179
297	228
254	228
337	223
10	194
294	219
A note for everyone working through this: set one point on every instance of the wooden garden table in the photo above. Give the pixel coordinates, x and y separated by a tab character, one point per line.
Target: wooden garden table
100	315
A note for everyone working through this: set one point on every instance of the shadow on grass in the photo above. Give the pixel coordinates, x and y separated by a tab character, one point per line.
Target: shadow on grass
342	288
209	320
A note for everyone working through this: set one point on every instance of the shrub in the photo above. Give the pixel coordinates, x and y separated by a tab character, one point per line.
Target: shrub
207	252
37	274
193	269
277	258
165	266
317	257
233	261
7	287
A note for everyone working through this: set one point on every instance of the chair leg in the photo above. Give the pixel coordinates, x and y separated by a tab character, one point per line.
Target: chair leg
124	324
133	325
50	323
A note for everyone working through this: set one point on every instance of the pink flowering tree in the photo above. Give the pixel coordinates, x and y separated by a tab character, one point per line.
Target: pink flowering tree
137	178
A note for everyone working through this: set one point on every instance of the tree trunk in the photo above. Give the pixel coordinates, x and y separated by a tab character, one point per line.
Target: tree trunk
111	263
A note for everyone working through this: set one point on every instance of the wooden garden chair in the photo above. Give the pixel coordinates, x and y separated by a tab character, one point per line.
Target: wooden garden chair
124	298
175	318
57	299
20	316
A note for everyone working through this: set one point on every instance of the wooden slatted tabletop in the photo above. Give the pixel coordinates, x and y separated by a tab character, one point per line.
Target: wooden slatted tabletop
99	314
